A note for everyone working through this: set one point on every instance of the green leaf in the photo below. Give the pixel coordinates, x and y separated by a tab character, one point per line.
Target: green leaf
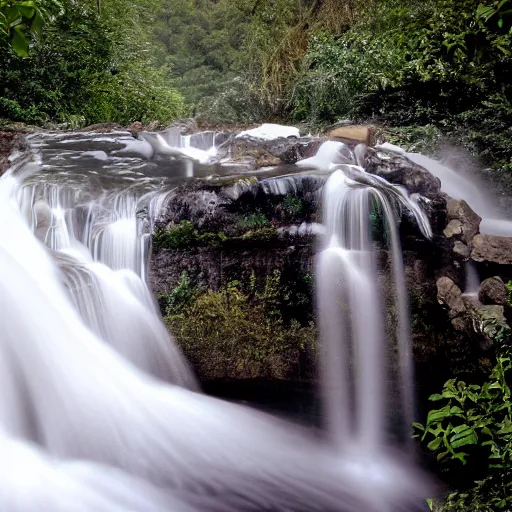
37	23
434	445
418	426
19	41
442	455
485	12
471	438
437	415
461	456
436	397
500	23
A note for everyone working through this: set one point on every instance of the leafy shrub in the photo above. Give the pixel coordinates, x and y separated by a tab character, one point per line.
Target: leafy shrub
253	221
338	71
182	235
181	297
231	332
185	235
473	428
292	205
86	68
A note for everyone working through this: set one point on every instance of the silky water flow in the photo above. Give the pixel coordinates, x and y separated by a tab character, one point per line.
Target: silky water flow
98	409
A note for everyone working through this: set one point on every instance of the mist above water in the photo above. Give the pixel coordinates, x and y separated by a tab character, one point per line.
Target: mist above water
462	186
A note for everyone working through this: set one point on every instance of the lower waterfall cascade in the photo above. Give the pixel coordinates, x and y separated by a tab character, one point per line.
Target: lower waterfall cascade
100	410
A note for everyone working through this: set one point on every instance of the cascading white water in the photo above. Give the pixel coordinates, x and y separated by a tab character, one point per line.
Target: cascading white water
79	399
351	317
461	187
101	244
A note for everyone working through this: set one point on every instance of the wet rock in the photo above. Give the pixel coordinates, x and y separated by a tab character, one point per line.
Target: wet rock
266	153
479	321
461	249
353	133
397	169
453	229
10	142
467	221
493	291
185	126
450	294
494	249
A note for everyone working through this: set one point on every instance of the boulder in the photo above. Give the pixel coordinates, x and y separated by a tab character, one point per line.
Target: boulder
185	126
493	249
453	229
467	315
265	153
468	222
396	168
353	133
461	249
493	291
449	294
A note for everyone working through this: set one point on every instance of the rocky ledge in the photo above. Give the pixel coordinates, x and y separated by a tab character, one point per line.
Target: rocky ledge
233	262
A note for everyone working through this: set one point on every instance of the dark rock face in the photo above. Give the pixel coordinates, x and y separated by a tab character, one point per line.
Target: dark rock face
9	142
449	330
494	249
470	316
262	153
397	169
213	268
493	291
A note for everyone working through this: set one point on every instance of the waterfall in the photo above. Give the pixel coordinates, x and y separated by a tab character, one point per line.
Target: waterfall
351	317
460	187
87	426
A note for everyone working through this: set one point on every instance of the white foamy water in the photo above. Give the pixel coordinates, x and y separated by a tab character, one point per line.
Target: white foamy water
270	131
87	428
461	187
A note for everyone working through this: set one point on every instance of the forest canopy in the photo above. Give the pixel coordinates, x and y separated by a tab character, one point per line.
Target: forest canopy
406	63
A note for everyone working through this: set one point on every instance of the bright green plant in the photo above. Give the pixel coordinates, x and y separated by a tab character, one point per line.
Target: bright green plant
473	427
181	297
473	418
18	20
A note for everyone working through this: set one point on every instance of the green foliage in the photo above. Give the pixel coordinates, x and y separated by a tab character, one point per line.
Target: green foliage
492	494
253	221
19	19
473	426
185	235
86	68
242	333
338	71
418	139
509	293
292	205
180	298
